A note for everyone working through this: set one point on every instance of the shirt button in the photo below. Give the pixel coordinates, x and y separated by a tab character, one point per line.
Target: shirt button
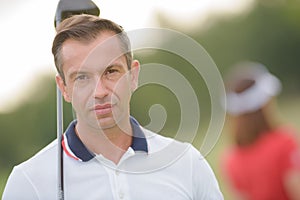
121	195
117	172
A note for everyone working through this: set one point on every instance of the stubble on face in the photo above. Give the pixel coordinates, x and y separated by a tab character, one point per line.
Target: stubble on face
97	81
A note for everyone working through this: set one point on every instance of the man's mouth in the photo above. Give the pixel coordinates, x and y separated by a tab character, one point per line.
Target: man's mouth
103	109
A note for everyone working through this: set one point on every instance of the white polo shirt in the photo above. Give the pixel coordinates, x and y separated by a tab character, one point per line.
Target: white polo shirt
154	167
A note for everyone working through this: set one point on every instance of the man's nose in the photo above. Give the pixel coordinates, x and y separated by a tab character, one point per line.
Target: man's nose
101	89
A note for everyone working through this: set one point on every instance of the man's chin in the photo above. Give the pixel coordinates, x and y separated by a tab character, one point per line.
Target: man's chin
106	123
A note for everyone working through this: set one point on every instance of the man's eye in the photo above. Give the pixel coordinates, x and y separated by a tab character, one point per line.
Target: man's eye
112	74
81	77
111	71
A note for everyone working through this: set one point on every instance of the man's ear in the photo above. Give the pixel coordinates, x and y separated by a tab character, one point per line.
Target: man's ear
135	70
62	87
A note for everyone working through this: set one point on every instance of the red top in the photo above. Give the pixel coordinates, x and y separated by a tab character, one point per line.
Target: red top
257	171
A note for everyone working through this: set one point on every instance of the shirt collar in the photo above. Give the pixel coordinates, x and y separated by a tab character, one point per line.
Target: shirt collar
74	147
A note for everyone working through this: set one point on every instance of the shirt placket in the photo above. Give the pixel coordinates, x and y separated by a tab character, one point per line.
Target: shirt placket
118	178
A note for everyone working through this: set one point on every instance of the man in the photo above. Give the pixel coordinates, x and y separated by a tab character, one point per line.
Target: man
107	154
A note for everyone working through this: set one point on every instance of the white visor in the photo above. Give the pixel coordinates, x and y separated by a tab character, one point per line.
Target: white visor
255	97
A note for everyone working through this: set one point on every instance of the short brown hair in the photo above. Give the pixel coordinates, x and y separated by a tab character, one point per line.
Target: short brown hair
86	28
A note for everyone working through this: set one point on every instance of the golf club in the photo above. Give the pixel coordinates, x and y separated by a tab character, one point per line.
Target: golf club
65	9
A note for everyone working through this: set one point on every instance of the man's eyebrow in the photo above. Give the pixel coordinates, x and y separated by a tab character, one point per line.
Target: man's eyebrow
110	66
114	65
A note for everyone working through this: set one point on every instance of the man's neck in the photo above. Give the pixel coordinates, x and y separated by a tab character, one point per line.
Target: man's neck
111	142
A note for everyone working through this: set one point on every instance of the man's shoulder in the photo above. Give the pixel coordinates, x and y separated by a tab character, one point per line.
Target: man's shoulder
157	142
34	178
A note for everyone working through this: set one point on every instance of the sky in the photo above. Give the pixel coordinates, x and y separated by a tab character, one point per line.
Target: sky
27	31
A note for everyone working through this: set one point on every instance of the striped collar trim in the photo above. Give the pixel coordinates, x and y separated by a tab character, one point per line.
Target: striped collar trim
74	148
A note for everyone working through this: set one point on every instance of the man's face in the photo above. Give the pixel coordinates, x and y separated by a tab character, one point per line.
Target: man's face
97	80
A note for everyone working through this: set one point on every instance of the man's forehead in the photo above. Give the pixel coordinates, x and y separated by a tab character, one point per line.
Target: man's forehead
103	51
104	40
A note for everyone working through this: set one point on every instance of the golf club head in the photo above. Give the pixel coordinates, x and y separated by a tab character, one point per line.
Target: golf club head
67	8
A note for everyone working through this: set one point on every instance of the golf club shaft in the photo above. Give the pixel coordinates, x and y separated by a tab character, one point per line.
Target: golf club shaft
65	9
60	163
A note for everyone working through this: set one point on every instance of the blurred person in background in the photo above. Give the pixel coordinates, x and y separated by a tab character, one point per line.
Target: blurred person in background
264	160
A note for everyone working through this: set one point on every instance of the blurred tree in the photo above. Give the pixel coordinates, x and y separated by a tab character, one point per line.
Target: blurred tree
32	125
269	33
